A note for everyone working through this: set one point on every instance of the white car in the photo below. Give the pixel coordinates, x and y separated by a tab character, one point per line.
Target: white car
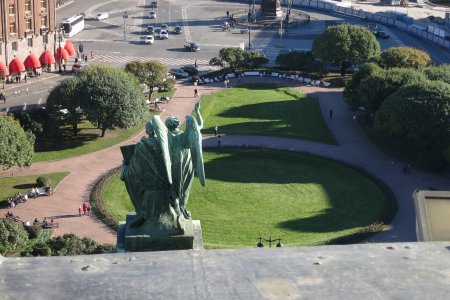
165	27
163	34
152	15
149	39
102	16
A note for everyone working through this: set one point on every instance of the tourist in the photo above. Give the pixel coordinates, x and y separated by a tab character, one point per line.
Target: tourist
216	130
195	93
79	211
219	140
331	114
89	210
84	207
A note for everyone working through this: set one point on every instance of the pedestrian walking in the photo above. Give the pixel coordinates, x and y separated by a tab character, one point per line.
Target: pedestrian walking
226	83
216	130
84	207
219	140
3	97
92	54
195	93
85	58
195	63
76	59
331	114
89	210
79	211
25	77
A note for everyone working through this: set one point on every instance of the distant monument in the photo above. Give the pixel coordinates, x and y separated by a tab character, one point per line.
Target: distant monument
271	8
158	173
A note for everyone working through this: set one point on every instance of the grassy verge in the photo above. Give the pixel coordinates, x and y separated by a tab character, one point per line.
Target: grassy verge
304	200
265	109
10	186
88	140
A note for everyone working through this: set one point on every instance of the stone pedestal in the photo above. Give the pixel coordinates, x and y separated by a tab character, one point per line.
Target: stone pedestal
158	235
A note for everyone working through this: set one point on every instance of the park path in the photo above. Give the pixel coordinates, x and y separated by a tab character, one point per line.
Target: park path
354	149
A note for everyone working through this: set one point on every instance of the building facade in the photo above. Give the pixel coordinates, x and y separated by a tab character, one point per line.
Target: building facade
27	26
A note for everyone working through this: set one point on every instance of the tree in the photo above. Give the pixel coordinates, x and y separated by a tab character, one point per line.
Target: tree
351	91
345	45
441	73
253	60
404	57
112	98
419	112
152	73
11	236
302	61
375	88
16	146
66	96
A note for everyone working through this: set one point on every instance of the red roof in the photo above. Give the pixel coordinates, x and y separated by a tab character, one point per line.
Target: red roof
69	47
47	58
4	68
32	62
16	66
61	53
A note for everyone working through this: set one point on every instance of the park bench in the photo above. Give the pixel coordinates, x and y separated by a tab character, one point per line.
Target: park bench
252	73
44	191
231	75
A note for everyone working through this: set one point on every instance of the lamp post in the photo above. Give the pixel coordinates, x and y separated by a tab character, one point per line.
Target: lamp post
270	241
125	16
60	50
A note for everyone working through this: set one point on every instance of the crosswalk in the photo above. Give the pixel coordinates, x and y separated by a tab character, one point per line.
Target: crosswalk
171	62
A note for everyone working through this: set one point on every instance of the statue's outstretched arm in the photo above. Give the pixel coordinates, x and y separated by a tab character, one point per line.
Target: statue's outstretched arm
199	116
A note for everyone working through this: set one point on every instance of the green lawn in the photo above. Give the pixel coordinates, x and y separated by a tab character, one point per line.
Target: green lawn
10	186
249	193
265	109
88	140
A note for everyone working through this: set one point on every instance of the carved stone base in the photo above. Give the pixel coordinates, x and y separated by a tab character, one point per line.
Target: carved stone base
155	235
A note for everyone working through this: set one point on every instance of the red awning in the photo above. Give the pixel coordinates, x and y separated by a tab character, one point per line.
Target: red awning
69	47
47	58
61	53
32	62
16	66
5	69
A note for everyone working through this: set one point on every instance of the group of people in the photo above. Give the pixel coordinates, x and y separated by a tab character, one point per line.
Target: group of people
83	58
84	209
16	200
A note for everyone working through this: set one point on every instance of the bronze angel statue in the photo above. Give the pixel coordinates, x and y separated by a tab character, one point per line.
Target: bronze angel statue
159	171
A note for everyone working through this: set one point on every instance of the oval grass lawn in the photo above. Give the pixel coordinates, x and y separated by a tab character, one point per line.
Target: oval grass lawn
265	109
304	200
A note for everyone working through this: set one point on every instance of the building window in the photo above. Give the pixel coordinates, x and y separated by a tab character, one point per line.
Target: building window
28	25
30	42
43	21
43	3
14	46
45	38
27	5
12	28
12	9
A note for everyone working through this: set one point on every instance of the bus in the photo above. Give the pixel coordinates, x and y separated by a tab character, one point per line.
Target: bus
73	25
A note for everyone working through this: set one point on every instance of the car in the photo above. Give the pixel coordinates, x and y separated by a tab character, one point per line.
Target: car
150	30
79	67
190	69
178	73
152	14
177	30
165	27
382	34
191	47
154	4
102	16
149	39
163	34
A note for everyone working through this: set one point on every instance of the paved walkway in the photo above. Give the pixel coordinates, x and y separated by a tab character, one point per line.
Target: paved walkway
354	149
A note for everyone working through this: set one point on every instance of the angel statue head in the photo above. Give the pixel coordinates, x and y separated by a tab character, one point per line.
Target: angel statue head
172	123
149	128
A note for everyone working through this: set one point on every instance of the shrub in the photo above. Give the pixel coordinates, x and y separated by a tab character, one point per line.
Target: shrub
12	236
441	73
352	87
33	231
41	248
43	181
404	57
168	85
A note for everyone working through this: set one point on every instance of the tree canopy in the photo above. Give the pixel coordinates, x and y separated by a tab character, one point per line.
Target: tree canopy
404	57
419	112
152	73
236	58
351	91
377	87
346	45
16	147
112	98
67	96
302	61
441	73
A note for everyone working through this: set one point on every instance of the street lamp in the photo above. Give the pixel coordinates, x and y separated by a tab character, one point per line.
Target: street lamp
59	45
270	241
125	16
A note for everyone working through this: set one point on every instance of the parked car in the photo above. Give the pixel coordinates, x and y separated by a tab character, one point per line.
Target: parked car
165	27
102	16
163	34
150	30
152	14
149	39
79	67
177	30
190	69
178	73
191	47
382	34
154	4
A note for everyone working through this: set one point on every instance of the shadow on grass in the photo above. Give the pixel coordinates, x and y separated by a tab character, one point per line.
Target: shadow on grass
25	186
65	141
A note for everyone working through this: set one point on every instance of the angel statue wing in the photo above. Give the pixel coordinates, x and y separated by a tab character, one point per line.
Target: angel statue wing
194	138
162	137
